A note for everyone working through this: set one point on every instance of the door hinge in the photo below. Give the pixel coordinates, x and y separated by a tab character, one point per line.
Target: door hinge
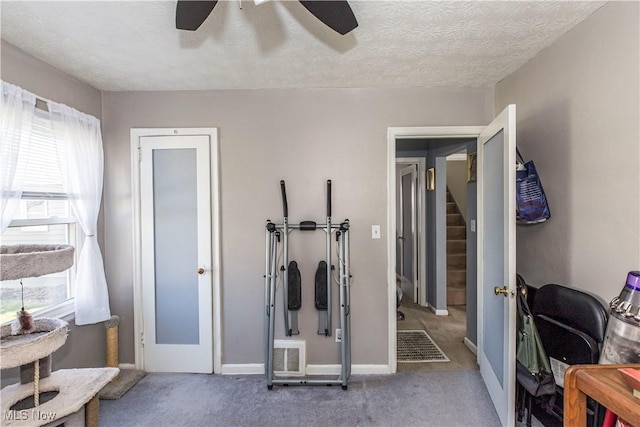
139	154
142	338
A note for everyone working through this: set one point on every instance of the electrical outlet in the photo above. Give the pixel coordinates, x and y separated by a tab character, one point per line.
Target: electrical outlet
473	225
338	335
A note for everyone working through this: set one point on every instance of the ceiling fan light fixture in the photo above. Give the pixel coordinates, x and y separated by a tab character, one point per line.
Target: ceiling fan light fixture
190	14
336	14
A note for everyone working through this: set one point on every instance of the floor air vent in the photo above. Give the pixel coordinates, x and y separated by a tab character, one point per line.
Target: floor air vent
289	358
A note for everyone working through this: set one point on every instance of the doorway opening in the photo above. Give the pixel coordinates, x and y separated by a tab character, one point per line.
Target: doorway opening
427	308
433	211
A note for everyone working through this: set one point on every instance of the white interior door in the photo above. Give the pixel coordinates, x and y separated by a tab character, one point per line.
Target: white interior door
496	261
408	221
176	253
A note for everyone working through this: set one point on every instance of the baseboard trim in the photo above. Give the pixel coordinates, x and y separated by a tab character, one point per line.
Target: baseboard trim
323	370
242	369
371	369
439	312
258	369
471	346
127	366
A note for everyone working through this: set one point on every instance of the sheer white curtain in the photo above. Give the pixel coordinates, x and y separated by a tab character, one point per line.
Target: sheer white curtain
16	113
82	139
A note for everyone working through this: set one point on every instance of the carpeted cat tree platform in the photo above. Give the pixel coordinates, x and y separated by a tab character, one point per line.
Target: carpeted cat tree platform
66	397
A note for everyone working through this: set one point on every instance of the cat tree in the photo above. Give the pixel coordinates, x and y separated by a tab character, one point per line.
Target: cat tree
75	401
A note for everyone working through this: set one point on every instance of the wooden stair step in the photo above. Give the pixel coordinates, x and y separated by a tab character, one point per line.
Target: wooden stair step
456	232
457	260
451	207
457	277
449	197
454	219
456	295
456	246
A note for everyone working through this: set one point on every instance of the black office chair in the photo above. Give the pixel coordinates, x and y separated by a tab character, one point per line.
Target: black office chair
572	326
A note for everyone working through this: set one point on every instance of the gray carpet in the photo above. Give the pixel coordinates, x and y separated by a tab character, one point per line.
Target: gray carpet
405	399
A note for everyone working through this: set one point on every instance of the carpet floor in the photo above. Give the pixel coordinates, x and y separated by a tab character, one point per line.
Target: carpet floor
447	332
455	398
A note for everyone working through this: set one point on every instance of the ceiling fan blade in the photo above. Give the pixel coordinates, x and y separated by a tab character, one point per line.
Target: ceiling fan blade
190	14
336	14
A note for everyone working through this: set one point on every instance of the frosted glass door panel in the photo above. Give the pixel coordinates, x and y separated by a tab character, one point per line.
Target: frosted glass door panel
176	246
497	262
494	244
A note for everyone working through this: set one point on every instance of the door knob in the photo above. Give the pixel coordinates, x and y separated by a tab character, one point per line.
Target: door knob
501	291
201	270
401	237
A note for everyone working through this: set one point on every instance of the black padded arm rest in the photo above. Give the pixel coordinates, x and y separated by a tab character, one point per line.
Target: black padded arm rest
572	307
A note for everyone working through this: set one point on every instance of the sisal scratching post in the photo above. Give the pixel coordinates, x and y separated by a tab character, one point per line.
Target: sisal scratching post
126	378
92	412
112	343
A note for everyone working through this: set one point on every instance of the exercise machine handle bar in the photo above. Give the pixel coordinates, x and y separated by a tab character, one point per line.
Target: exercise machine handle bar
285	207
328	198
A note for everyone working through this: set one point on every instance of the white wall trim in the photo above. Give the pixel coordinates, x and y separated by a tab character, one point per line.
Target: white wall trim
409	133
439	312
457	157
323	369
242	369
371	370
258	369
471	346
126	366
138	326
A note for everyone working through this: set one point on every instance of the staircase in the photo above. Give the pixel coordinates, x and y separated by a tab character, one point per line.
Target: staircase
456	255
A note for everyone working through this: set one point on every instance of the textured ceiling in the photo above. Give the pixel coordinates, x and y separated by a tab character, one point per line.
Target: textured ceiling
133	45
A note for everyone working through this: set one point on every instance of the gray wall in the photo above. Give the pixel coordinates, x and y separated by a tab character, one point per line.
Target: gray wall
304	137
577	117
85	346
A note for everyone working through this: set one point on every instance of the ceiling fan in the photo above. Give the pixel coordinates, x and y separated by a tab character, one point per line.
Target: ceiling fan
336	14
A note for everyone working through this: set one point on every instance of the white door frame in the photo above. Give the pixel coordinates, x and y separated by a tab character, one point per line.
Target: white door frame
419	242
394	133
136	134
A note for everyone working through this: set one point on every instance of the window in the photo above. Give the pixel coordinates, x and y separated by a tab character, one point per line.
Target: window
43	217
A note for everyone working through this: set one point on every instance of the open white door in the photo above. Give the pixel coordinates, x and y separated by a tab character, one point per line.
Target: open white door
497	261
408	231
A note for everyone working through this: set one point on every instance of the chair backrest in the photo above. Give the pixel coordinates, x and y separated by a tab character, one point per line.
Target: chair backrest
573	308
572	326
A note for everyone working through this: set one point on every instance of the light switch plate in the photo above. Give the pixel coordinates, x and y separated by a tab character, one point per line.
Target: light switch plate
473	225
375	231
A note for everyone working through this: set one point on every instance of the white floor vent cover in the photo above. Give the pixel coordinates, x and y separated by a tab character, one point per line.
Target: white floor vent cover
289	358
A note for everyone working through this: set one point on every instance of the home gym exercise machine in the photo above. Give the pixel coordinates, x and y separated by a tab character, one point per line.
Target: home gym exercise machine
291	290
